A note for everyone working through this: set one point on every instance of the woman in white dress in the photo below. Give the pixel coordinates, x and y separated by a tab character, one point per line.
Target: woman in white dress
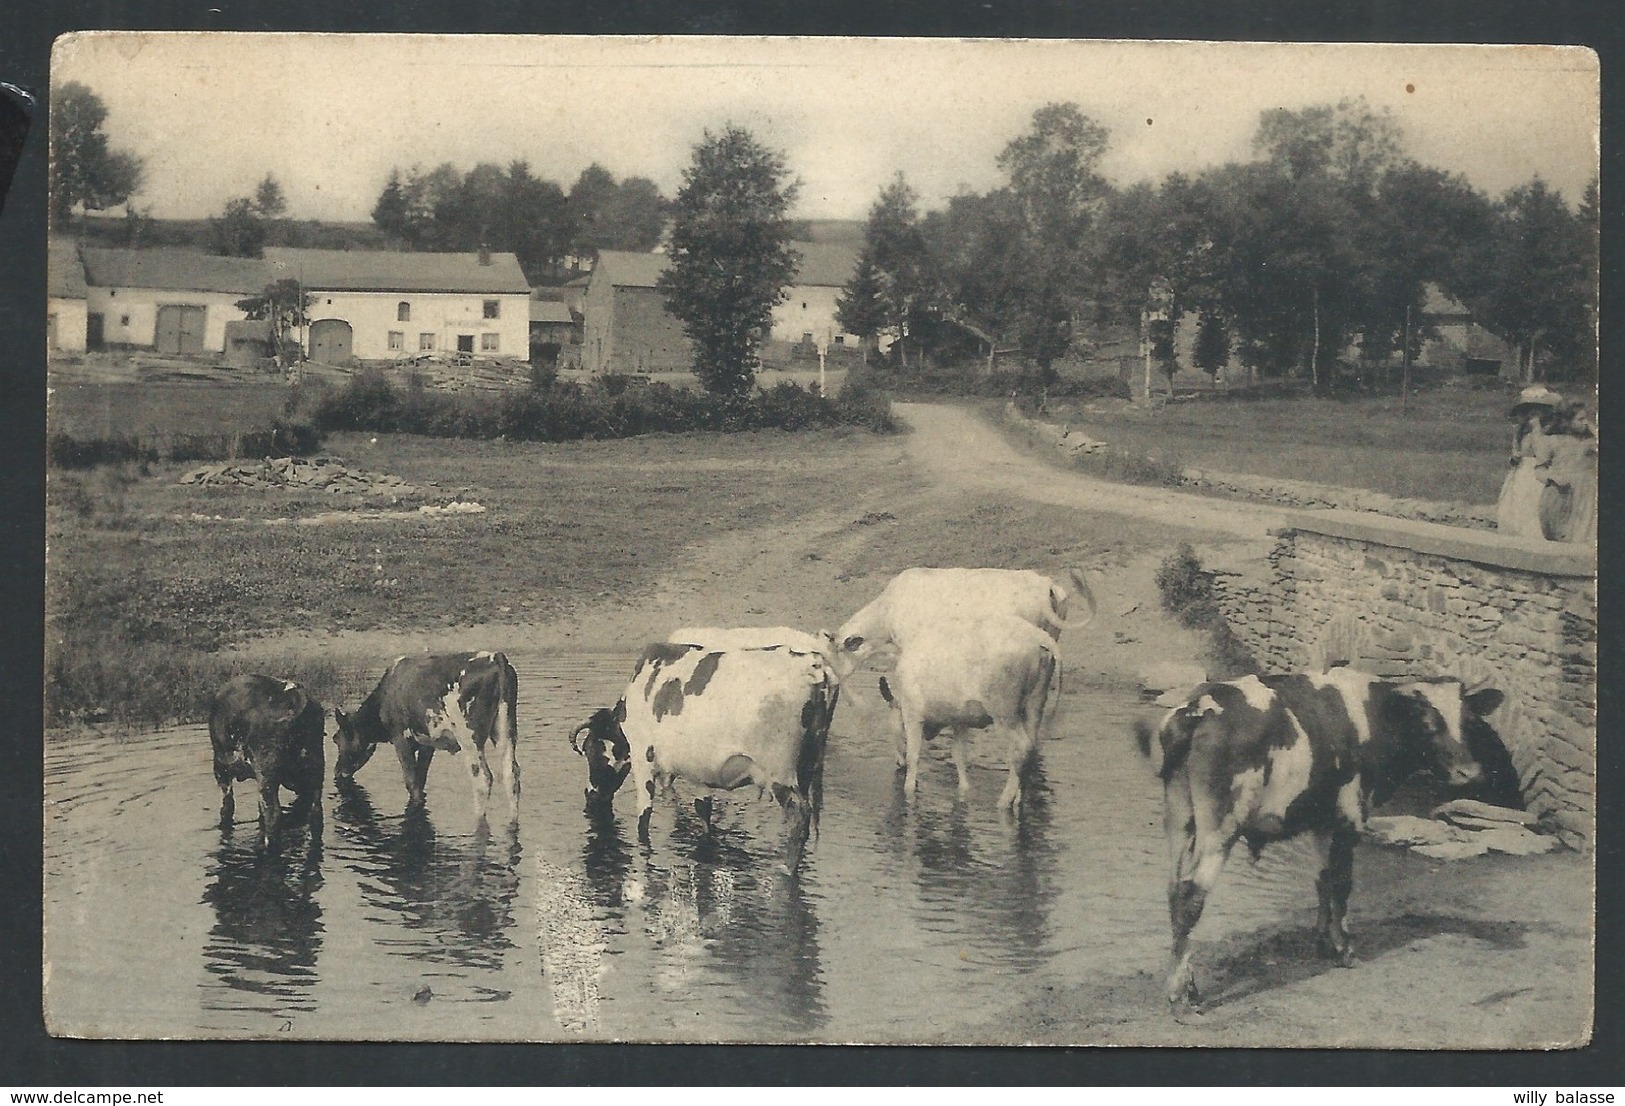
1517	512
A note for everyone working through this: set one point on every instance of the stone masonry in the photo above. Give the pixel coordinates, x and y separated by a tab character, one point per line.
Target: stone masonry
1400	597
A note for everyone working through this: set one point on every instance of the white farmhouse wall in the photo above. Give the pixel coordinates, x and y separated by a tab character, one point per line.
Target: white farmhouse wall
373	315
140	307
809	309
70	323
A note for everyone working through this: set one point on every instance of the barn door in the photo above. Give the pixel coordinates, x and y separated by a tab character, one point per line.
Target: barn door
94	322
180	328
330	341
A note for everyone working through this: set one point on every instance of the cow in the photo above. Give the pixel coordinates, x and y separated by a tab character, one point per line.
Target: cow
451	701
721	718
755	637
270	731
1263	758
966	674
917	597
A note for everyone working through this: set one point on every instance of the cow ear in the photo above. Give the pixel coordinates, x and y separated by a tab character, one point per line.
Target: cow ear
1484	701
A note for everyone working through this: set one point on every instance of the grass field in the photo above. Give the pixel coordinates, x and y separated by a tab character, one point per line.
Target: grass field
88	410
1451	445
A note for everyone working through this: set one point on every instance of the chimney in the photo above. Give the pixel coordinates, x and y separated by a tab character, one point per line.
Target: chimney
485	254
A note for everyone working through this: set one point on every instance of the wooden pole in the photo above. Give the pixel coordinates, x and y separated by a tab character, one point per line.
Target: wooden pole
1405	367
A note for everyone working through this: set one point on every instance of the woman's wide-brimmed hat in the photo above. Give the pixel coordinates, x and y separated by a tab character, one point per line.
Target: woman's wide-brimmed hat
1536	395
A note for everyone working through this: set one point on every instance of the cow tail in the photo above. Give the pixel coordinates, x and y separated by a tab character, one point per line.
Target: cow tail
1084	593
810	762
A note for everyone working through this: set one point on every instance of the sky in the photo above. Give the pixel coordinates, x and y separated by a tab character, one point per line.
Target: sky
330	115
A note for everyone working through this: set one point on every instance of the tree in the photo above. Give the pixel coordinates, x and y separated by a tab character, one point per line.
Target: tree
239	231
861	309
979	253
1346	142
896	250
1054	177
730	255
389	214
85	172
606	215
1211	352
283	305
269	202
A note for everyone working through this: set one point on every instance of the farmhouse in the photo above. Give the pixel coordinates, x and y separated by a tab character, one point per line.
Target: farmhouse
627	327
65	321
805	321
169	300
379	305
1462	345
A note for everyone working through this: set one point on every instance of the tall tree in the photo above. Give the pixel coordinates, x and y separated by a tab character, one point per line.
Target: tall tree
85	172
238	231
861	308
1348	142
1054	174
730	255
895	248
389	214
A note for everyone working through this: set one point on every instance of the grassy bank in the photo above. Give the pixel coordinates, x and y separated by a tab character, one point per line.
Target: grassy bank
1451	445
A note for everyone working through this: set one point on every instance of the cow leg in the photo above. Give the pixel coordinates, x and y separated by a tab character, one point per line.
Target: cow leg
1020	748
643	780
1335	882
480	774
1197	859
270	809
914	741
502	749
799	810
961	751
414	768
228	803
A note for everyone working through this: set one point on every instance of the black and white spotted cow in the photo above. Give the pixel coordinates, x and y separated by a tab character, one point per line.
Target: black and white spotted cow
721	718
456	702
270	731
1264	758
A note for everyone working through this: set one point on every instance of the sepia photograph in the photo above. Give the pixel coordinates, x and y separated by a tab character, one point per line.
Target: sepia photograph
709	539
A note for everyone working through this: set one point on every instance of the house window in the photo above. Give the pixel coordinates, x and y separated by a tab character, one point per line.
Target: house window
490	342
124	320
840	339
403	312
426	340
493	309
397	339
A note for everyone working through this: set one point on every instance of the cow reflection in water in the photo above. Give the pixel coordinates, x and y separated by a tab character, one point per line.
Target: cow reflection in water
268	925
456	892
728	929
983	881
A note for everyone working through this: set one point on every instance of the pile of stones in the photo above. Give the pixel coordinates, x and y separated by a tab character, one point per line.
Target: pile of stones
327	473
1461	828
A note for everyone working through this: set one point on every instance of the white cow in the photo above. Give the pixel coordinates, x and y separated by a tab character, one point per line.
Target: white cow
963	674
720	718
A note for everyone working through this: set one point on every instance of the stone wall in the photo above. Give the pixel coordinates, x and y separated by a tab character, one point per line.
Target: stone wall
1407	598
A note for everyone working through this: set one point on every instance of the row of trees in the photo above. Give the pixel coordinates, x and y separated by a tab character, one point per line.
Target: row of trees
1324	242
514	210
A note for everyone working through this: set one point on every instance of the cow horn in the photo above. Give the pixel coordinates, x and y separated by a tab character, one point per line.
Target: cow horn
576	732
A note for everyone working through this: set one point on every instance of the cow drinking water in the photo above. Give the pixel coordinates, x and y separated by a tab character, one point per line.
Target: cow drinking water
718	717
455	702
270	731
1263	758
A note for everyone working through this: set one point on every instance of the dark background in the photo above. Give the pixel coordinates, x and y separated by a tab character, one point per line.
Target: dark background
29	1059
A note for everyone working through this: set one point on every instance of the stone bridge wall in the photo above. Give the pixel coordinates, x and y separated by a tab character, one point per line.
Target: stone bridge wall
1407	598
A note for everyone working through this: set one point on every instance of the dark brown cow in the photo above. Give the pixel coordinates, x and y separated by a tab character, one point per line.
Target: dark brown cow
1264	758
449	701
270	731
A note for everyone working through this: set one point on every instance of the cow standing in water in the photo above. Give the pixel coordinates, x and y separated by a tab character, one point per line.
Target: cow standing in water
1264	758
455	702
717	717
270	731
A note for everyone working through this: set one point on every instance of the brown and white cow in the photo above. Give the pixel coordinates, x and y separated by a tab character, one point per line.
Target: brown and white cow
718	717
457	702
1263	758
270	731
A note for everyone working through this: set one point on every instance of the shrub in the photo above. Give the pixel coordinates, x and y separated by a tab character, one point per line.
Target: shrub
63	450
366	402
1188	594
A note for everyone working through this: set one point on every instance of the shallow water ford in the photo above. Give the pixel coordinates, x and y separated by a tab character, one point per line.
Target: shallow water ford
908	922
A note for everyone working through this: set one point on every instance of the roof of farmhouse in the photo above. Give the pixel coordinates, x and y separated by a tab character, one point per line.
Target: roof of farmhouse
66	273
828	264
175	270
391	271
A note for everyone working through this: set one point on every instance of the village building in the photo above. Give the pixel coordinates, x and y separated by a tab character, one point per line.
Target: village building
65	320
1461	345
804	322
382	305
626	327
172	301
555	336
